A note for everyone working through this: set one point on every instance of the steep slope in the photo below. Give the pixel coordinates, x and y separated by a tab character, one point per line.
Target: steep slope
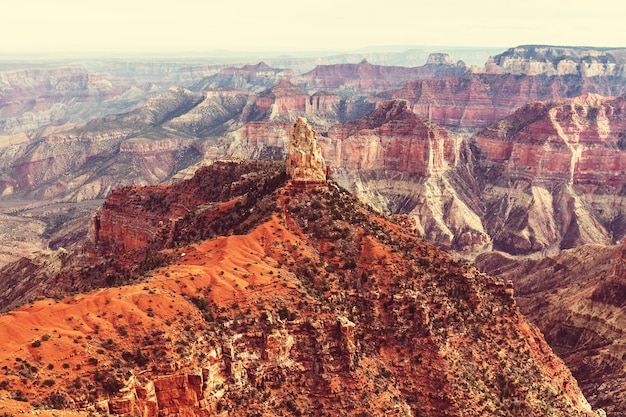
95	154
322	308
578	300
266	129
552	174
399	163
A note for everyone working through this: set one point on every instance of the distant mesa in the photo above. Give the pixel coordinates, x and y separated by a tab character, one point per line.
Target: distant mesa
305	163
559	60
439	59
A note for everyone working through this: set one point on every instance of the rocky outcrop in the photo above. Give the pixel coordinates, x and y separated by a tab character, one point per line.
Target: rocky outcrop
282	99
304	157
439	59
285	101
577	299
255	78
285	302
392	137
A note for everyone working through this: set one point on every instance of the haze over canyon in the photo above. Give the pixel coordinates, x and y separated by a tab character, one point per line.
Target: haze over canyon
306	236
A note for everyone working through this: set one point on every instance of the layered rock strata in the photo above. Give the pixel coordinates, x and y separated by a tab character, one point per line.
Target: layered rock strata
553	174
475	100
347	79
248	77
555	60
34	98
400	163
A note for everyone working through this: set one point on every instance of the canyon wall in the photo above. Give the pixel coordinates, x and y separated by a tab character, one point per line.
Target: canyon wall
34	98
554	60
365	78
577	299
553	174
399	163
475	100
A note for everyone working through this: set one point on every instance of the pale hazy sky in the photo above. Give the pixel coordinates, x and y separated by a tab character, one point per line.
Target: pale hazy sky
156	26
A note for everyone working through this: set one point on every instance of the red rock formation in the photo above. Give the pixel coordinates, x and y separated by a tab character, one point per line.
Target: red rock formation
259	134
117	229
323	102
399	163
570	153
249	77
282	99
578	140
319	307
391	137
285	101
474	101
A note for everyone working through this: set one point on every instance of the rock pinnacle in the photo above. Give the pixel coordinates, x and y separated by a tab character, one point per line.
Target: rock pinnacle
304	157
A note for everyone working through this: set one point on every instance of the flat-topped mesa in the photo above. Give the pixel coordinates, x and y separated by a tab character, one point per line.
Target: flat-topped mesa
305	163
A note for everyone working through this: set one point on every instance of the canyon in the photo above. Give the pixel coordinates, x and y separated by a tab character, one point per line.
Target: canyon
517	164
577	299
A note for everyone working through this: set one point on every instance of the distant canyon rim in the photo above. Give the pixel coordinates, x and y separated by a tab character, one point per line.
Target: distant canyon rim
109	168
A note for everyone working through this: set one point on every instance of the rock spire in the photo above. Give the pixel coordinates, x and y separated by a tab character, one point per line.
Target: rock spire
304	157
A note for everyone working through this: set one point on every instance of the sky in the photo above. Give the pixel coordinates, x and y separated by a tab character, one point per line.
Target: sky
180	26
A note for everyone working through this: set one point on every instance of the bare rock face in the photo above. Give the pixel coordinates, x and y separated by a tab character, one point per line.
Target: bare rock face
392	137
475	100
399	163
117	228
551	60
304	158
439	59
366	77
249	77
554	174
282	99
